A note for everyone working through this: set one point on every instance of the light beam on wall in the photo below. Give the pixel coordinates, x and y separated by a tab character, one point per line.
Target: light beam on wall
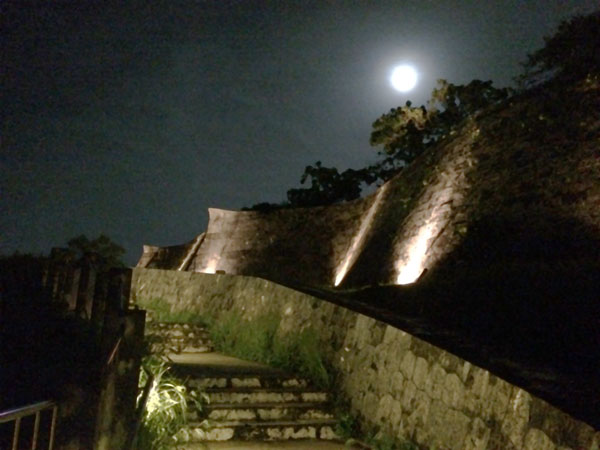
410	269
211	267
359	238
192	252
418	247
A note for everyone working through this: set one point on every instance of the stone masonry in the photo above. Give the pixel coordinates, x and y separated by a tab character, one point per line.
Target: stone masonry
394	381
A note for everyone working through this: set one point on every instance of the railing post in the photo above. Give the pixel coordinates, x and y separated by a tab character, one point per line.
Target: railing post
16	416
53	427
16	433
36	429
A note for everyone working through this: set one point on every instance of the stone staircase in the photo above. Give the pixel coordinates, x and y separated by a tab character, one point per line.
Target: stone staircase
177	338
247	401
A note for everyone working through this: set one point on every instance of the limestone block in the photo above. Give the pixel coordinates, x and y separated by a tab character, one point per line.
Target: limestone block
392	359
408	396
478	435
377	330
381	358
364	358
449	362
420	373
370	380
463	373
407	366
397	384
517	416
537	440
421	410
435	382
476	399
391	334
402	342
386	406
502	394
360	335
370	406
327	433
447	428
453	393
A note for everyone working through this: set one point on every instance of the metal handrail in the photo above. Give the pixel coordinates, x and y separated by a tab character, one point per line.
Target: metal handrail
35	408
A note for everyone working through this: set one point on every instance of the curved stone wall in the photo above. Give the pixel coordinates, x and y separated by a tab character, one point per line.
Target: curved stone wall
519	182
394	381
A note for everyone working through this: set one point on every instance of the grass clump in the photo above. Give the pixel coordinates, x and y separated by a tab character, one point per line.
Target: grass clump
383	441
160	311
258	340
349	429
166	407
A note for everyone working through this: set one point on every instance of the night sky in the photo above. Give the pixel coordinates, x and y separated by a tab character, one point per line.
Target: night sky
133	120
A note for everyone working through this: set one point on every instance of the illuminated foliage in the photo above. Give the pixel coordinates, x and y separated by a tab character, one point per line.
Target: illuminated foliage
406	132
166	407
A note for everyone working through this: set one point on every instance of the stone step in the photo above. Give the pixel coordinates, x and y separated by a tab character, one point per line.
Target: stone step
178	338
176	346
296	444
266	411
179	346
245	396
249	401
243	380
175	328
275	430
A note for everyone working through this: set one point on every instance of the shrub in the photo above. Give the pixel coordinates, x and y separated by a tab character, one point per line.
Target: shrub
258	340
165	412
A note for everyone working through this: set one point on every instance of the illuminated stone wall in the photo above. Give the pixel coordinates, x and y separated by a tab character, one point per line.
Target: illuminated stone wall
176	257
393	380
513	178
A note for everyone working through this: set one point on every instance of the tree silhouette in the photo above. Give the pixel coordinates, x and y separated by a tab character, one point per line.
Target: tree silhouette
404	133
572	53
102	252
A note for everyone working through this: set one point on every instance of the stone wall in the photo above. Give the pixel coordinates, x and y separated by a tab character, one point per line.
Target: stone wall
515	183
393	381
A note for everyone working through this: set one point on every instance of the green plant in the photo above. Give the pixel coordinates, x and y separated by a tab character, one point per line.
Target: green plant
258	340
301	352
160	311
347	426
166	405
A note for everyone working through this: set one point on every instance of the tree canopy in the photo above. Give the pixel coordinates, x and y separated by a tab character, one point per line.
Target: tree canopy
405	132
102	252
572	53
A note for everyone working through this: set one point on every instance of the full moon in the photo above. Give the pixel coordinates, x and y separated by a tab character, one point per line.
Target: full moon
404	78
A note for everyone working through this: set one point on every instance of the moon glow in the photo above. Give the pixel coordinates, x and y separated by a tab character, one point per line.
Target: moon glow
404	78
